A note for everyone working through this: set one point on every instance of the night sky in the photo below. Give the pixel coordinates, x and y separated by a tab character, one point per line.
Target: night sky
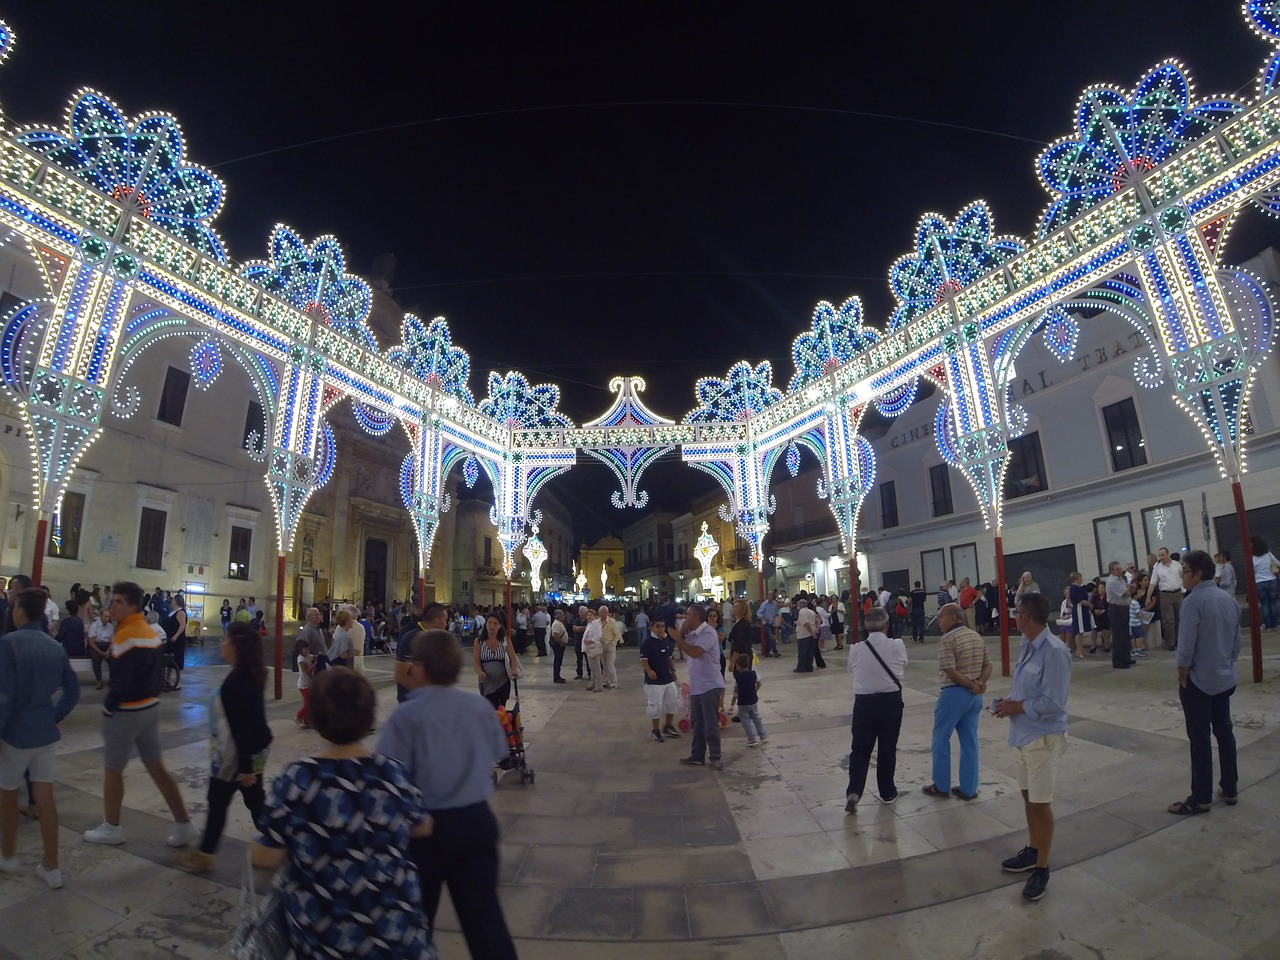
592	189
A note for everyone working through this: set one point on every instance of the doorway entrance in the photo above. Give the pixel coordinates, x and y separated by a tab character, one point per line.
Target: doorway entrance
375	571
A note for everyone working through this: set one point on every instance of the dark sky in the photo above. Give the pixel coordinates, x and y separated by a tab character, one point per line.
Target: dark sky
592	189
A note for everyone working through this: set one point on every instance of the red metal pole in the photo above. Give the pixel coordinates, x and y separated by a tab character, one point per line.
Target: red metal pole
1003	603
1251	585
422	592
37	561
854	613
508	606
279	654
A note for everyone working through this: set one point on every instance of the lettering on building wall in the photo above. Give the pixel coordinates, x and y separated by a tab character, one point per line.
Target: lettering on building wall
15	430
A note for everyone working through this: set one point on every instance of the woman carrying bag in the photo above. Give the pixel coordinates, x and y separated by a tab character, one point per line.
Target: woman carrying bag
240	738
495	661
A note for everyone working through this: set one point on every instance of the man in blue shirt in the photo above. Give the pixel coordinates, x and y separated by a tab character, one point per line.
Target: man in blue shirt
1037	712
450	740
33	667
765	614
1208	645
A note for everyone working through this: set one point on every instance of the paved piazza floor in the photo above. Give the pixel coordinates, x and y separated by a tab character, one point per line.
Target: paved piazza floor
616	851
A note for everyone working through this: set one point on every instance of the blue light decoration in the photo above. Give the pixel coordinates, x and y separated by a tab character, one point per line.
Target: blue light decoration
835	338
377	423
519	406
793	459
746	390
139	164
313	278
206	363
628	461
947	258
1061	334
471	472
6	41
1120	136
326	455
428	353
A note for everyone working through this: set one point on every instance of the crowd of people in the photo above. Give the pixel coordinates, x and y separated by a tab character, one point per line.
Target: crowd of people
413	811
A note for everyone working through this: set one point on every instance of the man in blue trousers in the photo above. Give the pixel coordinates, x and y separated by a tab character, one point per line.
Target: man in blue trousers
963	670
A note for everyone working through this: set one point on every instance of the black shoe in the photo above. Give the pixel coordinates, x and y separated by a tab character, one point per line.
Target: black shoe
851	803
1022	861
657	737
1036	884
560	680
691	761
670	732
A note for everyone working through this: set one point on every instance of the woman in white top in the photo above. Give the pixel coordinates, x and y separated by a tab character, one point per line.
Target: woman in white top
878	665
1264	576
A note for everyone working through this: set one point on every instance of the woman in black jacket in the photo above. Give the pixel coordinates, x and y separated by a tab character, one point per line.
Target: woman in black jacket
238	751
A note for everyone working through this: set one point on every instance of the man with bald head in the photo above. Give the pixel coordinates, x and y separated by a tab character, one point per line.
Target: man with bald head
312	633
610	637
963	670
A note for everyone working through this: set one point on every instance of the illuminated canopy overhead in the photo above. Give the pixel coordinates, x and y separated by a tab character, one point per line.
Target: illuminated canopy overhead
118	224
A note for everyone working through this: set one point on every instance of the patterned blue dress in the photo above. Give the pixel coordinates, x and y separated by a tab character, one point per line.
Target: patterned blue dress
350	888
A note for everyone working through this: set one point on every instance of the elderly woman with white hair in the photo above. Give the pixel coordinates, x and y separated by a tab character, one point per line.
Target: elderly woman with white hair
878	665
1026	584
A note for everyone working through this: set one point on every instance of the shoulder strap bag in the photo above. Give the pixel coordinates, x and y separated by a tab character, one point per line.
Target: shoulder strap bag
892	675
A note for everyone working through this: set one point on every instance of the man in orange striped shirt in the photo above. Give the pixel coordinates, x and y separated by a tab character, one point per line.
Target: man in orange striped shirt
131	717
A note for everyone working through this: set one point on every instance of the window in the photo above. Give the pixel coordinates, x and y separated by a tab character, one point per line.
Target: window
173	399
254	422
671	550
1124	435
488	551
888	505
64	536
151	539
1024	473
940	488
238	564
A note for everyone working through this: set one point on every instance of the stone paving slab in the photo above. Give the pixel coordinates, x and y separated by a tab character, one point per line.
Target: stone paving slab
616	849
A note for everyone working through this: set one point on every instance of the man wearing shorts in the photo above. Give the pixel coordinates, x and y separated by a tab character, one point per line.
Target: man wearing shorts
660	695
33	667
131	718
1037	712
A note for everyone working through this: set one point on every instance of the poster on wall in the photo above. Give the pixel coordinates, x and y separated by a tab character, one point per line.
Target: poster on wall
933	563
1115	541
964	563
1166	526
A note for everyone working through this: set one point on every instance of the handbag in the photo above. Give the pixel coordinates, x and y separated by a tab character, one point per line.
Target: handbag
263	930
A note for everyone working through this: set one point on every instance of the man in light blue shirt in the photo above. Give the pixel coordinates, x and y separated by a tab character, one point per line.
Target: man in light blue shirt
706	686
765	614
1037	712
1208	645
450	740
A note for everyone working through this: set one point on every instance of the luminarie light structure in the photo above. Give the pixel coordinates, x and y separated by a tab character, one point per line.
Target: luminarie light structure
117	222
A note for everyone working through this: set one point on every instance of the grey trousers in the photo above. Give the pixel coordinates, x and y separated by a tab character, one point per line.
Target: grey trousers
704	714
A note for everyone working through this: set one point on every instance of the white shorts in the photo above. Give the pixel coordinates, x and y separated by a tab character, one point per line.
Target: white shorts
1036	762
36	761
660	699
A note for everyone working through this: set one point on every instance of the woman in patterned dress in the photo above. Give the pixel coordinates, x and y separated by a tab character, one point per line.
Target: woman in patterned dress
340	824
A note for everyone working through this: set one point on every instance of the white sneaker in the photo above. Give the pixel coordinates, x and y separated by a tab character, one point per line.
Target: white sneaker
183	834
52	877
10	864
107	833
751	743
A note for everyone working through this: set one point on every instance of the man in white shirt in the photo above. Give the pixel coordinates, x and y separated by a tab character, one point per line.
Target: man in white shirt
878	665
610	637
806	637
593	648
541	621
1168	581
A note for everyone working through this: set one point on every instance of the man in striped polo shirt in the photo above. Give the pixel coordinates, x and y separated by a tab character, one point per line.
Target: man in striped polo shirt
963	670
131	717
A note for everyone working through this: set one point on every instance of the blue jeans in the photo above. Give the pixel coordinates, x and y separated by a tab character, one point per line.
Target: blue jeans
1267	601
750	713
704	714
956	710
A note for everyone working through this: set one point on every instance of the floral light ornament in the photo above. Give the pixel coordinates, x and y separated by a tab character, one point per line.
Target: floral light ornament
1264	17
746	390
138	163
313	278
835	338
1119	136
427	351
519	406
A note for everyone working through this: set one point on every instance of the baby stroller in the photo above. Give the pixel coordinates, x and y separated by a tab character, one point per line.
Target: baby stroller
510	719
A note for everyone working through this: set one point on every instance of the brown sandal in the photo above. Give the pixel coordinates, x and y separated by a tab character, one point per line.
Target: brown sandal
1188	807
932	791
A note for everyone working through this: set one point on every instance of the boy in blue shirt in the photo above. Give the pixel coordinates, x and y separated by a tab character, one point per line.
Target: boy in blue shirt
660	693
747	697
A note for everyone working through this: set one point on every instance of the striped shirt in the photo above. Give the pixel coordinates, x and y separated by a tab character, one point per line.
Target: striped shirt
963	650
